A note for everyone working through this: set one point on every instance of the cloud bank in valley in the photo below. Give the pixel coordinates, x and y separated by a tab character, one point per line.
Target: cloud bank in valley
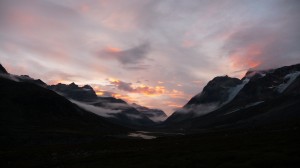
161	53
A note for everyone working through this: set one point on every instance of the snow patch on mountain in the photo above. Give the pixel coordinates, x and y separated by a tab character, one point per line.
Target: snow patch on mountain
235	90
253	104
291	78
141	135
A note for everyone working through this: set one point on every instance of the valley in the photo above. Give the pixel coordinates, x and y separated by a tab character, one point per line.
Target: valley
251	124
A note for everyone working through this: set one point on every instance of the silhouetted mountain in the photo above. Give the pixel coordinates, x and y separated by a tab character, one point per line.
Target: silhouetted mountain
115	110
155	115
22	78
216	93
260	99
123	113
28	79
30	113
2	70
73	91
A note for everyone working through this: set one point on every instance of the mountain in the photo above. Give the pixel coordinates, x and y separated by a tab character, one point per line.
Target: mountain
260	99
30	113
155	115
73	91
28	79
115	110
21	78
2	70
253	122
216	93
123	112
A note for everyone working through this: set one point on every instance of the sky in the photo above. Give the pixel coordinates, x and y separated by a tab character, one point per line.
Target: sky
156	53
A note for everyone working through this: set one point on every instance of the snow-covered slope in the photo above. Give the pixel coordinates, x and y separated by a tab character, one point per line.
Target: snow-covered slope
290	79
235	90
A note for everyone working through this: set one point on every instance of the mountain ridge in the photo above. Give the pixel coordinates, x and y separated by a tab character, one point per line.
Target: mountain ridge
32	114
260	89
116	110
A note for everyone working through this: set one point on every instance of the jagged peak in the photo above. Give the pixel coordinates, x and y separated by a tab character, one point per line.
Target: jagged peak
252	73
87	87
3	70
73	84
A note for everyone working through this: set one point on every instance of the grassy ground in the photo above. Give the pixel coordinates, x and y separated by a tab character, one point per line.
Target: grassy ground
273	149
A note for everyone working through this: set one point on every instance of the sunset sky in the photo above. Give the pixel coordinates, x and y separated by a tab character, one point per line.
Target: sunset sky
157	53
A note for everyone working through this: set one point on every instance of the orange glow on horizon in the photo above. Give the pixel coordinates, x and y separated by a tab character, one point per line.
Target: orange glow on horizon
178	94
172	104
55	82
99	93
127	98
150	91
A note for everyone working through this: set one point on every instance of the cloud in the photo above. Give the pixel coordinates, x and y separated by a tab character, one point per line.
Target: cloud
128	57
138	67
104	112
103	93
199	110
122	85
174	41
267	43
143	89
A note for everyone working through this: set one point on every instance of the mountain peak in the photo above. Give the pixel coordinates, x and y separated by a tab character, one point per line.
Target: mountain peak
73	91
216	90
73	85
3	70
88	87
228	95
221	81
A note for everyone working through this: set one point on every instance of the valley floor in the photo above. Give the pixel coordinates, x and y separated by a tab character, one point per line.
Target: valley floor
221	149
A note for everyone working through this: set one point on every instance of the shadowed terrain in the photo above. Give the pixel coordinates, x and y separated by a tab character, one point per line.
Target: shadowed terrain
253	124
